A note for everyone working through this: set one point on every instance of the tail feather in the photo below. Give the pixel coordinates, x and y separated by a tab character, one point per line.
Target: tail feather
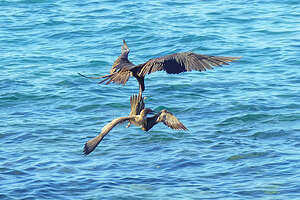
92	77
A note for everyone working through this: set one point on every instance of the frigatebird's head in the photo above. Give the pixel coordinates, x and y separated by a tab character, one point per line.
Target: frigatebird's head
125	49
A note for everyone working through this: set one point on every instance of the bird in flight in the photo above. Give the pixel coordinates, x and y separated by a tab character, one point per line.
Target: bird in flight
138	117
175	63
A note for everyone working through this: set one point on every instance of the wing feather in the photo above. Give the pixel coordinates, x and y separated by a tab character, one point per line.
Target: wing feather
182	62
137	104
93	143
120	77
170	120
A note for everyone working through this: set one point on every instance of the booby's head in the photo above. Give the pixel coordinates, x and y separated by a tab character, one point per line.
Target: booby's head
124	49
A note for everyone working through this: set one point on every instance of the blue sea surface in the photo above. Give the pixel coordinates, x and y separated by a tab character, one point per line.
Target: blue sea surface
243	119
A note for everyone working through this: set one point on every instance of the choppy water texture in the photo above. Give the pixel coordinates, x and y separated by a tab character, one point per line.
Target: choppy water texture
244	119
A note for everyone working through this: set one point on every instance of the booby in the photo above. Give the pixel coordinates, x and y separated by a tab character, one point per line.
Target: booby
138	117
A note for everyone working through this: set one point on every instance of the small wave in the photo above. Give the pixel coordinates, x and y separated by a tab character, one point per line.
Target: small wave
245	119
86	108
269	134
13	172
247	156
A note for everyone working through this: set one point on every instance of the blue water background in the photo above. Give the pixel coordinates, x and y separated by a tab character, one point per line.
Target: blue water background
244	119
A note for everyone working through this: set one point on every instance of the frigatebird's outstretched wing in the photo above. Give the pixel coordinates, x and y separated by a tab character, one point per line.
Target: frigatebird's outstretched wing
183	62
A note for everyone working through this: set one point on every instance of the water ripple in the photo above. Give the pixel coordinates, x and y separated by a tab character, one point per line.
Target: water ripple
243	118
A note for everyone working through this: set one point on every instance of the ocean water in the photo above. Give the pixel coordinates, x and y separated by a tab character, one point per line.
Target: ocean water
243	119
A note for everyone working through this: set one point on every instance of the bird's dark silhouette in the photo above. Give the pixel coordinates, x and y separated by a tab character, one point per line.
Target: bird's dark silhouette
138	117
175	63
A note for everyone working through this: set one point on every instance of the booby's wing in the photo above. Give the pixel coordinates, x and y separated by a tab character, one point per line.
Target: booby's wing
170	120
182	62
137	104
93	143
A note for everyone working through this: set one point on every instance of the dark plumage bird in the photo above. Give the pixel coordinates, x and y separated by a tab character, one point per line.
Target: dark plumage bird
175	63
138	117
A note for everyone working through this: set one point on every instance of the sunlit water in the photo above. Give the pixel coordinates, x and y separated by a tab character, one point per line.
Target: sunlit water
244	119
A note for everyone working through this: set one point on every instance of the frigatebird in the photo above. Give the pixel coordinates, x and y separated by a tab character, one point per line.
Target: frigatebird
175	63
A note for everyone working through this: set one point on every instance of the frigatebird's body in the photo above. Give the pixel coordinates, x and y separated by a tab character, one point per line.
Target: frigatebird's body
175	63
